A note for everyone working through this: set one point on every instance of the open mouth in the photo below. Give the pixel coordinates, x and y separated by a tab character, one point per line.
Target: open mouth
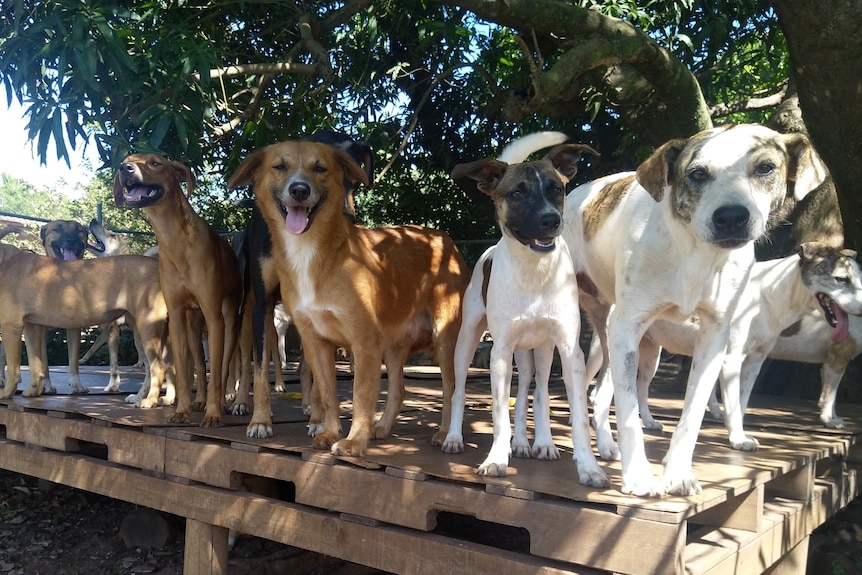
297	218
96	245
541	245
139	195
835	316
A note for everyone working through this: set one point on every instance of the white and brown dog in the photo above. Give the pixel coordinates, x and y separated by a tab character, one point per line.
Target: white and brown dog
674	241
383	293
531	303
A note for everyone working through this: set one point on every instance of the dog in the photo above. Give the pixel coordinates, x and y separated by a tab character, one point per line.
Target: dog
197	270
37	291
818	284
382	292
262	281
531	303
672	241
65	240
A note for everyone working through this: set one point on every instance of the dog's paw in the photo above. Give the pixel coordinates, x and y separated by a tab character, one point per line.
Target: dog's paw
352	447
306	410
833	422
145	402
643	484
48	388
608	449
683	484
33	391
259	430
544	451
715	413
230	396
179	417
521	448
380	431
651	423
113	386
198	406
212	420
492	469
591	475
744	444
452	443
167	399
238	409
323	439
278	388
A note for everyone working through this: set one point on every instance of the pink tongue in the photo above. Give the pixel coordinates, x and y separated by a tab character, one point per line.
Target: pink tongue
296	220
840	331
137	193
68	255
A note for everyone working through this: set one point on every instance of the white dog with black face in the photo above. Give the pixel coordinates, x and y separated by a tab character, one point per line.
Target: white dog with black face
672	241
531	302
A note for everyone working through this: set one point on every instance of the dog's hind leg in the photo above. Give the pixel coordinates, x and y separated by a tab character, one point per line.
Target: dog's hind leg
649	355
394	358
543	442
12	343
39	335
831	373
73	341
113	334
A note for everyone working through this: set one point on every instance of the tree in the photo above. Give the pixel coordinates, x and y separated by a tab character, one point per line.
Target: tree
428	84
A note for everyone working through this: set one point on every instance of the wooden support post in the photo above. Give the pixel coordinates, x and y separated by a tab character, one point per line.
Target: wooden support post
205	550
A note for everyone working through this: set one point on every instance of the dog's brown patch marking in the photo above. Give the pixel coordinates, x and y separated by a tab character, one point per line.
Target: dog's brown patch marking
792	330
486	278
603	203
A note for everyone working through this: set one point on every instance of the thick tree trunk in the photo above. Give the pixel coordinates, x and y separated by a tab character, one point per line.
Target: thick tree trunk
825	44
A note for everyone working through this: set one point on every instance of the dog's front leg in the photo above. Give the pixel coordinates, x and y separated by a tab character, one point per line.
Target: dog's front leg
366	388
497	461
43	385
261	419
324	423
738	373
178	329
709	351
831	373
625	328
12	343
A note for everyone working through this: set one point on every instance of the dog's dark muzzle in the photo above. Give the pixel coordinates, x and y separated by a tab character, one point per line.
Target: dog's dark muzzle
540	233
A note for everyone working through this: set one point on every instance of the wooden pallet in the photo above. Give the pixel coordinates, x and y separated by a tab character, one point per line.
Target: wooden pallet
394	509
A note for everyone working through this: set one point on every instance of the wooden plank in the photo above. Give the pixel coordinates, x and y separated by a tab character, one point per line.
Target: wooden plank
396	550
205	551
742	512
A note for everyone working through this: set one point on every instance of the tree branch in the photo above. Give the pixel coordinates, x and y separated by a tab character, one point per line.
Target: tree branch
770	101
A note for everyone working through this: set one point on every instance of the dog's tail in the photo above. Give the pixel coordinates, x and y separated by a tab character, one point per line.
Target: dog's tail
519	150
21	232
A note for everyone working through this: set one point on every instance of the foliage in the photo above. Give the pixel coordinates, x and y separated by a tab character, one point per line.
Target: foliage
427	84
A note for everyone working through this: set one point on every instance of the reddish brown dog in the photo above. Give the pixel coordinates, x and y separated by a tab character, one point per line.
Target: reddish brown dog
197	269
383	293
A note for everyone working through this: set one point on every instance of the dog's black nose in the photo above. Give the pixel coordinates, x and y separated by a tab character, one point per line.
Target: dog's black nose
299	191
730	218
550	222
127	167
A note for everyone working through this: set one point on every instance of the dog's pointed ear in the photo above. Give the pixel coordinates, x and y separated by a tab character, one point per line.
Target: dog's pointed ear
806	170
656	172
244	174
565	158
184	174
487	173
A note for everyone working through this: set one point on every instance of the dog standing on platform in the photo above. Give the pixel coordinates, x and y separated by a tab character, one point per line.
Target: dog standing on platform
64	240
531	303
197	269
672	241
383	293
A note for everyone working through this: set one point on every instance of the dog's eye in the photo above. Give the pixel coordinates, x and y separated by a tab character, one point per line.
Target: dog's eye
155	163
320	168
279	167
514	195
844	280
698	174
764	168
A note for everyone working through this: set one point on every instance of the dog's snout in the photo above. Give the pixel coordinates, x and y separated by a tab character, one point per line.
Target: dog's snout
550	222
127	167
299	191
731	218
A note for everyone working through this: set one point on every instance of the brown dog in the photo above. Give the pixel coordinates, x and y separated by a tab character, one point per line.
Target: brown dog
197	269
65	240
36	291
383	293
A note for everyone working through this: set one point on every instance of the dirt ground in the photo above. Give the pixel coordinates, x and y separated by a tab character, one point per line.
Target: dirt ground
48	529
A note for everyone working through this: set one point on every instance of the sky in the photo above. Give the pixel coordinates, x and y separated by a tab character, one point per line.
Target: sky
18	156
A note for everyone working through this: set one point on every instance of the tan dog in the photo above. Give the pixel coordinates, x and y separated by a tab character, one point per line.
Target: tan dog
383	293
197	269
65	240
36	291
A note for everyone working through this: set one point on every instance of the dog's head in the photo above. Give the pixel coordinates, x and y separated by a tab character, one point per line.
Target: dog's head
144	179
64	239
725	182
529	196
833	276
296	180
105	242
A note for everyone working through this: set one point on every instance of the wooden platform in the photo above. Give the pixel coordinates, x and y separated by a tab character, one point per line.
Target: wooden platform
408	508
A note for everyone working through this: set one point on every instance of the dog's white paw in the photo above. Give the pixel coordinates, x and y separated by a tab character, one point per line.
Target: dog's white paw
306	410
278	388
113	385
591	475
314	429
132	398
238	409
258	430
147	403
652	423
681	484
76	387
544	451
454	443
521	448
607	447
231	396
744	443
642	483
833	422
715	413
48	387
492	469
32	391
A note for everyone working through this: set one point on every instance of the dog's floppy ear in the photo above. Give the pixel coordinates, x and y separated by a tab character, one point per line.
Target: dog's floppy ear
184	174
352	170
565	158
244	174
487	173
119	201
367	155
812	250
656	172
43	231
806	169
